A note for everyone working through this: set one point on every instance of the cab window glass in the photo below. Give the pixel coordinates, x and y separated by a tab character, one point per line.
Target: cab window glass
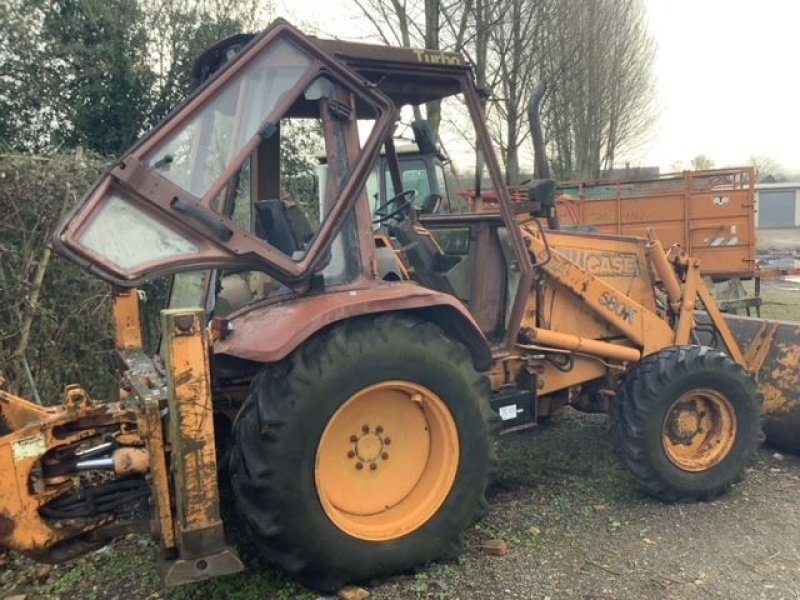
292	195
473	190
188	289
373	189
248	110
127	236
414	176
198	152
242	209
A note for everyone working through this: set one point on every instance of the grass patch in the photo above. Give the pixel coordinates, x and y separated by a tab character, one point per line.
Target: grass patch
574	451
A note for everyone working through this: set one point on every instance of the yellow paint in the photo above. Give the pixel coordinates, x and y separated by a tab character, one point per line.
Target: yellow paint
787	374
699	430
387	460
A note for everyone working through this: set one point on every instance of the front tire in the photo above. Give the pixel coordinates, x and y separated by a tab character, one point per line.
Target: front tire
365	453
686	422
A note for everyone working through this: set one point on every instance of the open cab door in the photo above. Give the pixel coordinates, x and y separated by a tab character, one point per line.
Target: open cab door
168	204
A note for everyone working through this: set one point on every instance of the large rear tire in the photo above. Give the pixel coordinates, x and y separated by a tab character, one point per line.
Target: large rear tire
686	422
365	453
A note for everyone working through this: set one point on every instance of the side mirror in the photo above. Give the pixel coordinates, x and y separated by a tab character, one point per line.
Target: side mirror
542	192
423	135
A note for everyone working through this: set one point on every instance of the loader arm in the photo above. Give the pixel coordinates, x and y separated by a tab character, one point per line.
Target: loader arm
645	331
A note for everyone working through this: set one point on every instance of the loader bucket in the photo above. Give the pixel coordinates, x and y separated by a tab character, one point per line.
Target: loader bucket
772	353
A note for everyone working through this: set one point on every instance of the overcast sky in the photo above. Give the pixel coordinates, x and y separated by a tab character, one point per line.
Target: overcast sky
728	80
727	71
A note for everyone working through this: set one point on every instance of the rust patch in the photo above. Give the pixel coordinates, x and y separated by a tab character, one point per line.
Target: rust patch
183	377
774	398
759	347
783	380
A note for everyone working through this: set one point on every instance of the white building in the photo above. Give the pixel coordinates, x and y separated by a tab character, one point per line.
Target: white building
778	205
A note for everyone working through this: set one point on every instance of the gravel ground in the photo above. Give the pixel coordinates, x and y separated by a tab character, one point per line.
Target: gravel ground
575	525
581	530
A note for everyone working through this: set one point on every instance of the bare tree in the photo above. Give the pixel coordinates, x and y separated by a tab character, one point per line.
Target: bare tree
596	56
701	162
598	65
678	166
517	49
432	24
767	168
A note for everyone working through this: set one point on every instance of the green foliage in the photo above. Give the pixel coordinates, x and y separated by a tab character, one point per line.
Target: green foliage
27	113
301	143
70	325
179	33
104	91
91	74
98	73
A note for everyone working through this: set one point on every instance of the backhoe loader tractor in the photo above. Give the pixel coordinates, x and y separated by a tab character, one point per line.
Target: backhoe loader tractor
347	365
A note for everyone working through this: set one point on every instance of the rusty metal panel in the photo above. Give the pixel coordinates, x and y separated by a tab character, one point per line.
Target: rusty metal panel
198	526
127	324
710	214
772	347
621	263
31	432
291	323
617	310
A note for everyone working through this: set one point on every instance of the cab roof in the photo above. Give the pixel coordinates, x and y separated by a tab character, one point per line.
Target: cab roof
406	75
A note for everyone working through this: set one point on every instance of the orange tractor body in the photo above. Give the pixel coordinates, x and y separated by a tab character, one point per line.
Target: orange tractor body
348	369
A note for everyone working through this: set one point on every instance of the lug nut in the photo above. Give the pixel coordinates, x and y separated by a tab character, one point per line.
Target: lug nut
365	428
385	456
351	454
379	429
359	466
372	466
387	441
353	438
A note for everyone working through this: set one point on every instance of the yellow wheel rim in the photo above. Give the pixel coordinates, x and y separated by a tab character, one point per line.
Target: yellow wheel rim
699	430
387	460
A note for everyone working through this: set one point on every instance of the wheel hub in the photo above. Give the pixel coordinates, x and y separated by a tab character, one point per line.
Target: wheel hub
369	447
387	460
699	430
684	424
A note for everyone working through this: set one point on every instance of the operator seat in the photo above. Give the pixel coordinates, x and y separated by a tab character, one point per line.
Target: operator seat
284	225
238	289
431	204
429	264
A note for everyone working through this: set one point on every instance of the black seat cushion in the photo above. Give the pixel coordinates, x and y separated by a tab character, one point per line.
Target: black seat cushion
285	227
430	267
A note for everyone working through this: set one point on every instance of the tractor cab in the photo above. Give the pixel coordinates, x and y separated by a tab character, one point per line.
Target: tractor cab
220	196
207	186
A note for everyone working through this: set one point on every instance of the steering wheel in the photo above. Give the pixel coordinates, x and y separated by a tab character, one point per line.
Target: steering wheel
403	202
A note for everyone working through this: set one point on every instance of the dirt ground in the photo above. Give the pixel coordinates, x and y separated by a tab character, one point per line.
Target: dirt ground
575	525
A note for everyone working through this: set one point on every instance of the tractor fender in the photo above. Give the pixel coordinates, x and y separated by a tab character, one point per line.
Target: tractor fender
269	333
